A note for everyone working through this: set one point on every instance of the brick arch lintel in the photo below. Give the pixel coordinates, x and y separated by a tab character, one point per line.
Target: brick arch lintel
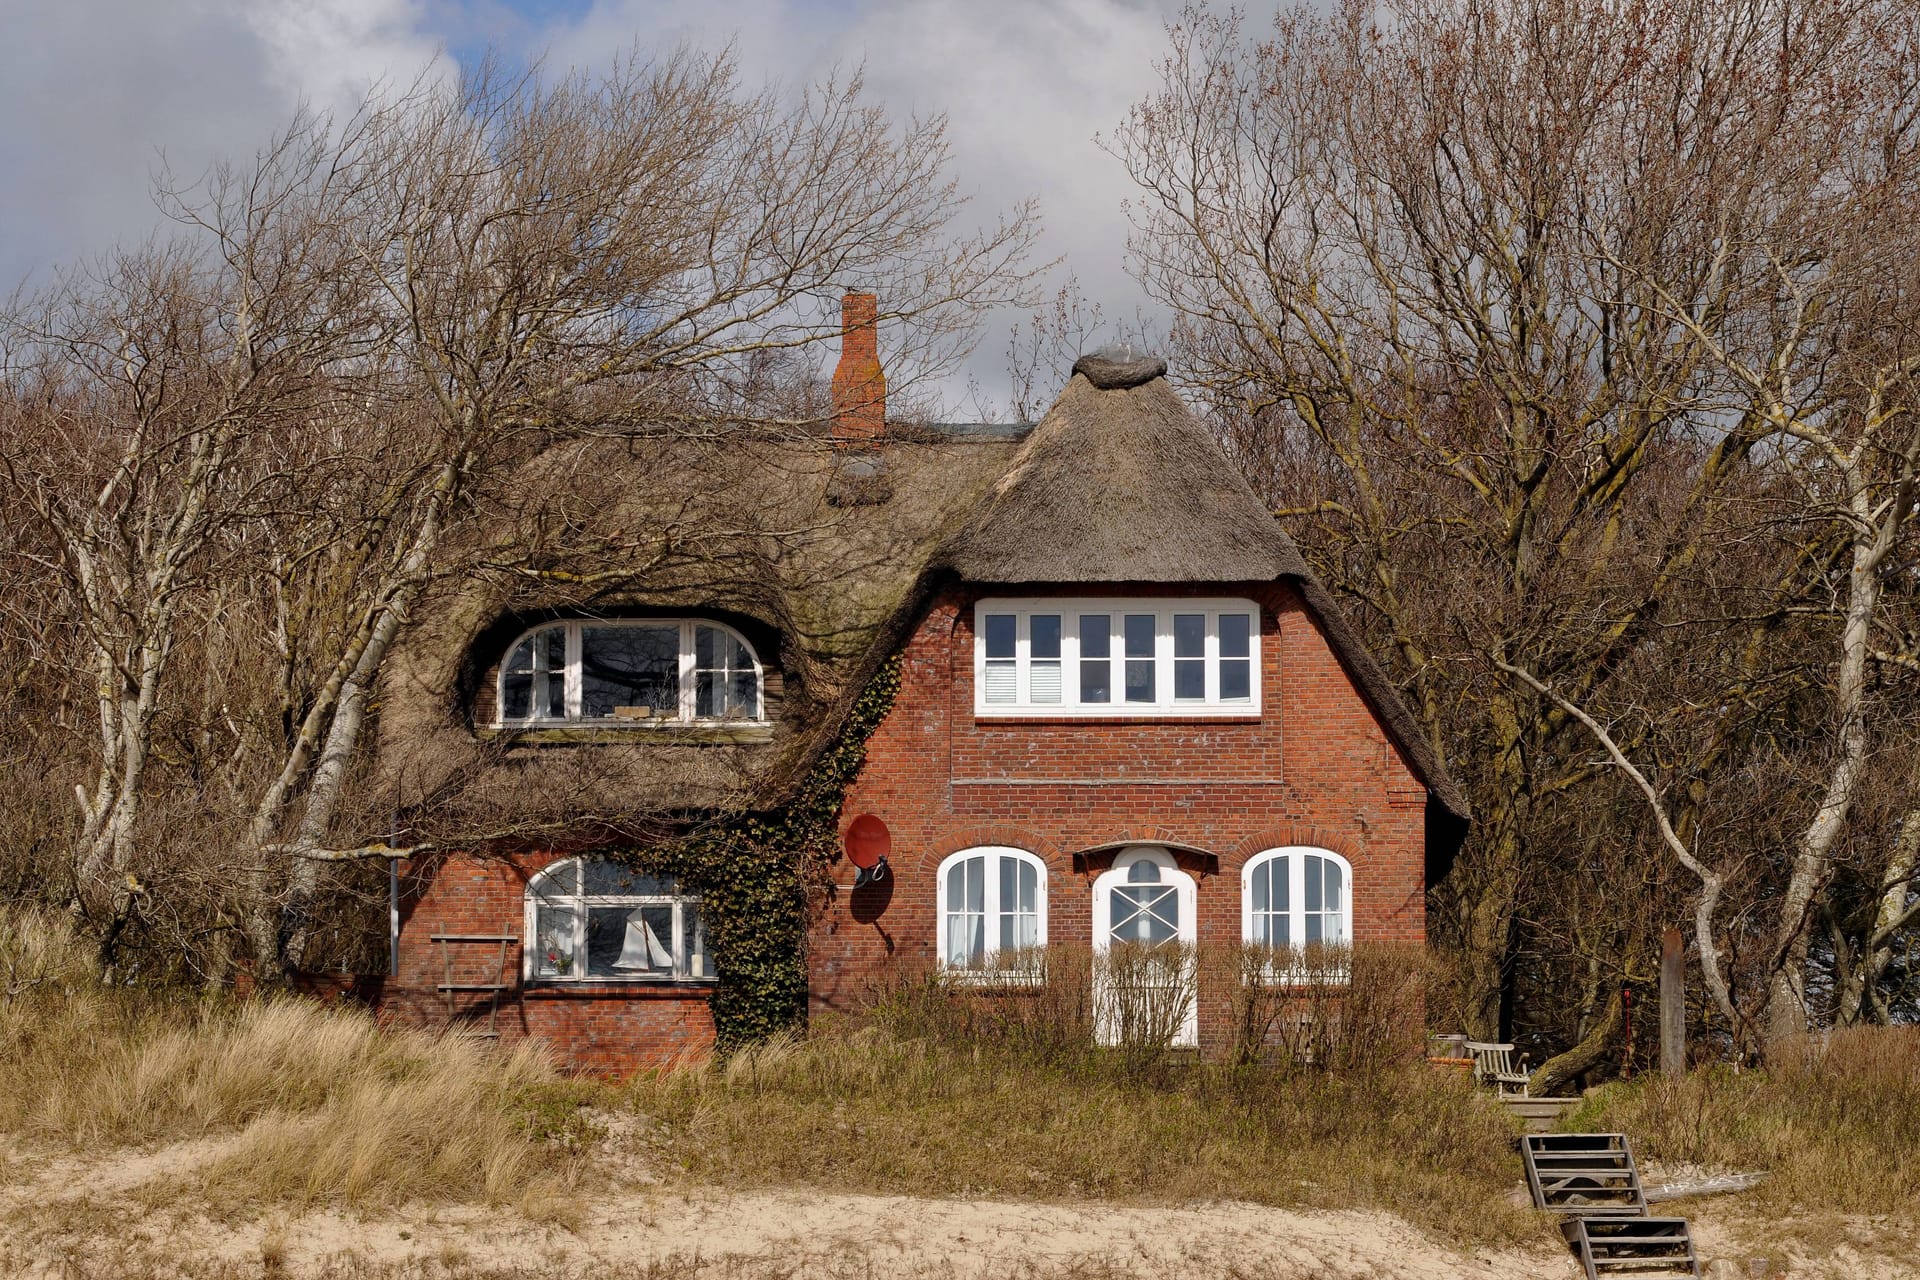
1279	837
1000	834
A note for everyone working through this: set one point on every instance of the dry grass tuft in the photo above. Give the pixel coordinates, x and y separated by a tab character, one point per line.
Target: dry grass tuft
1836	1122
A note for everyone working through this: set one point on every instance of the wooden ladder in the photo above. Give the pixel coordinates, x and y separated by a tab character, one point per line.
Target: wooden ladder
453	990
1590	1179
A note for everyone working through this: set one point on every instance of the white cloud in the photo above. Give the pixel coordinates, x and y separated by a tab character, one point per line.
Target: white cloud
1026	87
95	94
92	91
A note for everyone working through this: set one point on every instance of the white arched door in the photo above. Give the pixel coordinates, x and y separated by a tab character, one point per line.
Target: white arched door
1143	941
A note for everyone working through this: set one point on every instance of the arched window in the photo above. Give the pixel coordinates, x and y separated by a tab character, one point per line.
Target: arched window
630	672
1297	897
992	910
592	921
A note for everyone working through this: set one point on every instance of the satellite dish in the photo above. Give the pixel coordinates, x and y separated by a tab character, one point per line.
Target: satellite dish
867	843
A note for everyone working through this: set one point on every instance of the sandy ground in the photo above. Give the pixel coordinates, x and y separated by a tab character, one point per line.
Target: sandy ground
63	1218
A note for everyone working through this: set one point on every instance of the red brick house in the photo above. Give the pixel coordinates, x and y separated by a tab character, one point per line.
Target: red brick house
1126	711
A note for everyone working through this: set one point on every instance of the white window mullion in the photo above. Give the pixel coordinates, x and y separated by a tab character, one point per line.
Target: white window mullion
571	681
1163	659
1023	656
990	904
679	939
1069	659
1213	657
689	705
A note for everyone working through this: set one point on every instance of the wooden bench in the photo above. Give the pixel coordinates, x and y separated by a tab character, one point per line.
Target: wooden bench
1495	1064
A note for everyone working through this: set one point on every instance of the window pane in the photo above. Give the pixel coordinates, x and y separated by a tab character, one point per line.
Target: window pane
966	940
1000	635
625	941
629	669
1189	635
1096	680
1043	681
1002	685
1189	679
1258	885
516	696
1139	680
610	879
1313	882
1096	635
1043	635
1139	633
1143	872
1236	679
1029	886
744	700
553	941
1236	635
562	879
555	643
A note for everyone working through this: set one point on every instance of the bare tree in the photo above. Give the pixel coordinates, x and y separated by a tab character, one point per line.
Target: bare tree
483	272
1479	285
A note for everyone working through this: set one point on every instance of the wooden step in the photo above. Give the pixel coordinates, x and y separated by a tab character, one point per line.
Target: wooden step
1632	1246
1582	1174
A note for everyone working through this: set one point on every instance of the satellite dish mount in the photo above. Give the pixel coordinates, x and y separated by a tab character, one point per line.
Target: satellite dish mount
867	844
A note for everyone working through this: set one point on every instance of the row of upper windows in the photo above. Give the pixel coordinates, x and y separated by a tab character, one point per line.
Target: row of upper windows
1054	657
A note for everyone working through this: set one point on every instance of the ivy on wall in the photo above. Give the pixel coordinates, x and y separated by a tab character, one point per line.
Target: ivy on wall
755	875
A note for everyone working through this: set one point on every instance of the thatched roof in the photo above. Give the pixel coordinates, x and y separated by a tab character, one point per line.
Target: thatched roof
825	559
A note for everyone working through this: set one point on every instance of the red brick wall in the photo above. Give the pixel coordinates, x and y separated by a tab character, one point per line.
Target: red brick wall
603	1028
1314	769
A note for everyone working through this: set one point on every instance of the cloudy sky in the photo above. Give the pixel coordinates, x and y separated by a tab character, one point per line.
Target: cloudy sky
94	94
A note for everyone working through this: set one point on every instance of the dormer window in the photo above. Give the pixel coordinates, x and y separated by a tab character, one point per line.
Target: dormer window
1131	657
631	672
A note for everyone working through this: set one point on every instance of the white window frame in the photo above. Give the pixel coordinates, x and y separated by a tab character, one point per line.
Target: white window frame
1297	855
689	683
1069	609
993	909
686	949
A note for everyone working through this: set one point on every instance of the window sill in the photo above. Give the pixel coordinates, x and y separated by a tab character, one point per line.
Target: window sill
1186	715
625	734
978	980
617	988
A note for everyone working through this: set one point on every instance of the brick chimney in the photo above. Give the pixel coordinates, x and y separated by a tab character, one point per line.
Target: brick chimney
859	385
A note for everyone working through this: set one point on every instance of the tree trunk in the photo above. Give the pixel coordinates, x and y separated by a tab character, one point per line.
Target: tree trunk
1600	1044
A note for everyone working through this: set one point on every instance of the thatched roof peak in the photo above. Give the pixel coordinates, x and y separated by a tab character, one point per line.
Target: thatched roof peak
1121	483
1117	368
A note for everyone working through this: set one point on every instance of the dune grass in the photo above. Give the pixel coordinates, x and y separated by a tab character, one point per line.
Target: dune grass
318	1104
1835	1123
